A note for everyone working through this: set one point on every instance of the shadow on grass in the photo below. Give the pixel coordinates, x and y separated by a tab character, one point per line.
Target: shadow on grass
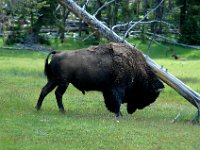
147	115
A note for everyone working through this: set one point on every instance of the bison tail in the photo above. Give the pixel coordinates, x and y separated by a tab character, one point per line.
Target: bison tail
47	70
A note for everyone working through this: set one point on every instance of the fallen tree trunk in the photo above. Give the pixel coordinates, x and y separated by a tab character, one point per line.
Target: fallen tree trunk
190	95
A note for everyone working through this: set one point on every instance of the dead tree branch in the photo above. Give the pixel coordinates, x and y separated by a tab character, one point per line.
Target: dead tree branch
104	5
86	3
125	35
143	22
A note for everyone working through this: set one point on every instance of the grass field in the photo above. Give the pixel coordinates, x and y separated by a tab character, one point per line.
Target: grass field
87	125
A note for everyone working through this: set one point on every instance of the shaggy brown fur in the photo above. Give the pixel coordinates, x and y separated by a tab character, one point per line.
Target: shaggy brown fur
120	73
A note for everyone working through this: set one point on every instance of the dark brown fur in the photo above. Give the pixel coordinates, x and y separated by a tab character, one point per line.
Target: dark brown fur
120	73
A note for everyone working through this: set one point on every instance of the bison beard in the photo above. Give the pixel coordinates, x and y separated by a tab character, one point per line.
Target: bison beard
120	73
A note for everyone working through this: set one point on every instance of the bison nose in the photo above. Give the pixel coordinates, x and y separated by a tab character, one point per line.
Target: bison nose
159	90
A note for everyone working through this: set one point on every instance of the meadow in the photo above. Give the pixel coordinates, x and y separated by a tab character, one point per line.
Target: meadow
87	124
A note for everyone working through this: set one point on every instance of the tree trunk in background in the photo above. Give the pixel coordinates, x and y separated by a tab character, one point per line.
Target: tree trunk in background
170	5
183	14
98	16
109	12
190	95
47	18
115	12
65	14
98	5
137	3
112	13
144	8
157	27
189	22
159	16
143	30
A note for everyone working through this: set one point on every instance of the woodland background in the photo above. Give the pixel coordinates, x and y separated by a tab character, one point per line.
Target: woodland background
35	21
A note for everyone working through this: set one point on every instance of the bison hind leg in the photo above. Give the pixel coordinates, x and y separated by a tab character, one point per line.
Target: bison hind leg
45	90
59	94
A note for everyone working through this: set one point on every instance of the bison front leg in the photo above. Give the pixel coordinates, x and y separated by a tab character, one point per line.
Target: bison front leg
113	99
118	96
45	90
131	108
59	93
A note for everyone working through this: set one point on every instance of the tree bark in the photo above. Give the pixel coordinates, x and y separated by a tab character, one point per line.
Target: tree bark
190	95
98	5
157	27
144	8
114	13
183	15
137	8
170	5
159	16
65	14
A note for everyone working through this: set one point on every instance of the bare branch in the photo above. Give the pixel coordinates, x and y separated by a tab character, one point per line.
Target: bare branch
121	25
170	26
143	18
157	21
88	36
58	7
104	5
143	22
86	3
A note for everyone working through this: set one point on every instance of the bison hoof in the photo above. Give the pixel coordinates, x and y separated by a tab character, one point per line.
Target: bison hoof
118	118
62	111
37	108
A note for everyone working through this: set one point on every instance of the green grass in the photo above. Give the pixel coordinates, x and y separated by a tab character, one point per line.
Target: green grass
87	124
71	43
165	51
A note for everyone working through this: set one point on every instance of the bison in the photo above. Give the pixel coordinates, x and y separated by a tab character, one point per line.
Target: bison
119	72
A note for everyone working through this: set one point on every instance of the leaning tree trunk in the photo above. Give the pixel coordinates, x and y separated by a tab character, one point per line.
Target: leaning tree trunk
190	95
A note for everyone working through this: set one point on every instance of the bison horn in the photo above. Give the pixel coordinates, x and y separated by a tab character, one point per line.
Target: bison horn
159	90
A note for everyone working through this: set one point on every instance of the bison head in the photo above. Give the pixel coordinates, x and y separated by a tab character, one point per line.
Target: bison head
143	92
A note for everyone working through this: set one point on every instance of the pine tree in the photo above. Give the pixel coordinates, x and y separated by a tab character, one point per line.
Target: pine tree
189	21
